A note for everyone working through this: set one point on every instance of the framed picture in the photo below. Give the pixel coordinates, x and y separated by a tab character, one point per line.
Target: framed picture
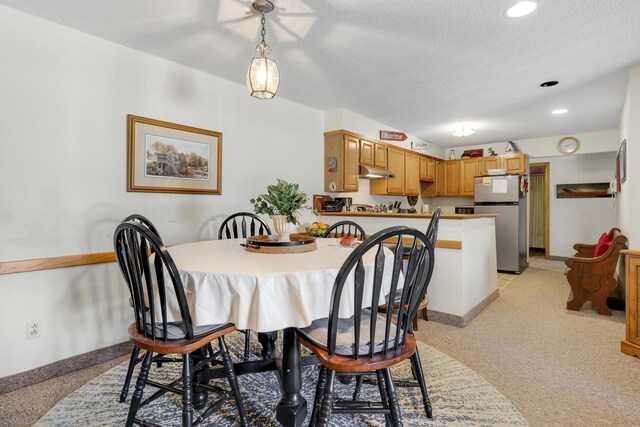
622	161
166	157
588	190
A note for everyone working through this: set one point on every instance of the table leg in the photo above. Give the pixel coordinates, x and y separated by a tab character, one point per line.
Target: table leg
292	408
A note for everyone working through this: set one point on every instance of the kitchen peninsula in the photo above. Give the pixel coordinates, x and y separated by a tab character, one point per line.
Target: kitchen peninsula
465	276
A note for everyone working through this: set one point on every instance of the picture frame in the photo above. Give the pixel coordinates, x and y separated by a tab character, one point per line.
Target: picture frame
622	161
164	157
583	190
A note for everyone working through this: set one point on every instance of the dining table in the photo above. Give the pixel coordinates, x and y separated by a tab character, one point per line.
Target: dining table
268	292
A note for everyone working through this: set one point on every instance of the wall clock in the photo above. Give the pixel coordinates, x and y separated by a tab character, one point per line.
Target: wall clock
568	145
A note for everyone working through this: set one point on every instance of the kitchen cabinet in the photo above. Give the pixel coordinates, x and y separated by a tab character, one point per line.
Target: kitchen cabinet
411	174
427	168
631	345
424	168
435	186
431	169
468	169
373	154
380	155
341	162
395	164
486	163
512	163
367	152
439	178
451	177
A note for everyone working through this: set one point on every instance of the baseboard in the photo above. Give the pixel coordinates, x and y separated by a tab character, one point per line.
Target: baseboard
62	367
462	321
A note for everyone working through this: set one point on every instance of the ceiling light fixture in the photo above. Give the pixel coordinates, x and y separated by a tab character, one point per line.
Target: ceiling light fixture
521	9
559	111
463	129
263	77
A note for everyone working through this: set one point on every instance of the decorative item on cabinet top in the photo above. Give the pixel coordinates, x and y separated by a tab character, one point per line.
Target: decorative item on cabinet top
388	135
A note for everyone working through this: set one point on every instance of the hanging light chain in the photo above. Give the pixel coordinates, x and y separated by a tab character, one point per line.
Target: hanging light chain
263	32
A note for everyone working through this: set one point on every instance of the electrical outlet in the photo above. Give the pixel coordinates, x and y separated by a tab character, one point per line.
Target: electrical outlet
33	330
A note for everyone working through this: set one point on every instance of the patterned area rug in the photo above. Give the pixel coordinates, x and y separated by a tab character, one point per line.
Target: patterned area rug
459	396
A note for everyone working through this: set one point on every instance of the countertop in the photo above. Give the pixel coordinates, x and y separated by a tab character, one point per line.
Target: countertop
407	215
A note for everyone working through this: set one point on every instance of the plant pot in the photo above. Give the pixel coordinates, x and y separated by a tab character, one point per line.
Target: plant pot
282	226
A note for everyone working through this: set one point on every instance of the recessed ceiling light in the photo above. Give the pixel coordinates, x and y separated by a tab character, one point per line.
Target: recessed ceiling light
559	111
549	83
521	9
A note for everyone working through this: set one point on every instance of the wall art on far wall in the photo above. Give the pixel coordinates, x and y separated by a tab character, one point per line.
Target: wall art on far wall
621	161
572	191
170	158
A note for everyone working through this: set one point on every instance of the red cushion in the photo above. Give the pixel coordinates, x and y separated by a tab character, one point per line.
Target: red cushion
603	244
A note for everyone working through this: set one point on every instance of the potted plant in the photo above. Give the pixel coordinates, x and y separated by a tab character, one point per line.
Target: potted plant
282	202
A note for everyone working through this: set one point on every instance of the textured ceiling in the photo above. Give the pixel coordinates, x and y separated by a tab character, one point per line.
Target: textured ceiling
416	65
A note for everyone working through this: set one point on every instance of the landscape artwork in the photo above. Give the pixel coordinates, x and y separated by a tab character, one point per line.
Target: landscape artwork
572	191
166	157
176	158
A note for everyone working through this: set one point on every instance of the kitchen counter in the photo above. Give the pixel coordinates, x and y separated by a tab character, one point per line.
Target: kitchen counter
465	276
406	215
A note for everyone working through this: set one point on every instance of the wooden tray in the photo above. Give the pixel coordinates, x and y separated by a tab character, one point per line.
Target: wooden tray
299	242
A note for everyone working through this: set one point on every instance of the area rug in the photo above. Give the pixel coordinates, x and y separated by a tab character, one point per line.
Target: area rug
459	396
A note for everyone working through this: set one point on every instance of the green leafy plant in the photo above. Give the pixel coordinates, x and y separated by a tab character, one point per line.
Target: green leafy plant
282	198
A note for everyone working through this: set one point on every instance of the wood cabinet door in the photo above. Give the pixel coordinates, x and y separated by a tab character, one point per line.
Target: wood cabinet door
486	163
366	152
431	169
380	156
439	178
468	170
351	167
514	163
424	166
411	174
395	164
451	176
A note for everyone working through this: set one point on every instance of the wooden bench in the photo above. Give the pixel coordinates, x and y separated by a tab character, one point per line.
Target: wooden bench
592	278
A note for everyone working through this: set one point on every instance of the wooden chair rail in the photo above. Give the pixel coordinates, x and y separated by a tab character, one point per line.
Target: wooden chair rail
22	266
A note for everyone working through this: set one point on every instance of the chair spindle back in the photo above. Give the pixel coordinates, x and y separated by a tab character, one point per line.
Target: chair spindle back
229	228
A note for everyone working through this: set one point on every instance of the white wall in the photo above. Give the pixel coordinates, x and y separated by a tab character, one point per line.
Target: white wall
65	97
580	220
341	118
629	202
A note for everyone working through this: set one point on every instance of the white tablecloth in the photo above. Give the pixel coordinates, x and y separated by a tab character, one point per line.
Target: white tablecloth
265	292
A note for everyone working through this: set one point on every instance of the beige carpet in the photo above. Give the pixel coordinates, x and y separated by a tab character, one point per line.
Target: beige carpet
558	367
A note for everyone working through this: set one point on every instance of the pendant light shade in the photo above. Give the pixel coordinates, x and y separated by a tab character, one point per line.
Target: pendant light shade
263	77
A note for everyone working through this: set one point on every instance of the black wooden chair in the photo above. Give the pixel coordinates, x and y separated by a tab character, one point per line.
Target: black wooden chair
155	332
368	342
234	227
416	363
134	360
346	228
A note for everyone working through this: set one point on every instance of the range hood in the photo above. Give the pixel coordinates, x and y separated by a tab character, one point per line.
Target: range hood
369	172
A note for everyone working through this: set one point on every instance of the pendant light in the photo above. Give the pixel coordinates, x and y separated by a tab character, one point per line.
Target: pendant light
263	77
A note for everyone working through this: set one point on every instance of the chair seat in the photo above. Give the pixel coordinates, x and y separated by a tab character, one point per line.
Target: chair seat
177	330
317	334
179	346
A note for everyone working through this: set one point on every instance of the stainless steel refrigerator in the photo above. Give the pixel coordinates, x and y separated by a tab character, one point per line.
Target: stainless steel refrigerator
503	195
